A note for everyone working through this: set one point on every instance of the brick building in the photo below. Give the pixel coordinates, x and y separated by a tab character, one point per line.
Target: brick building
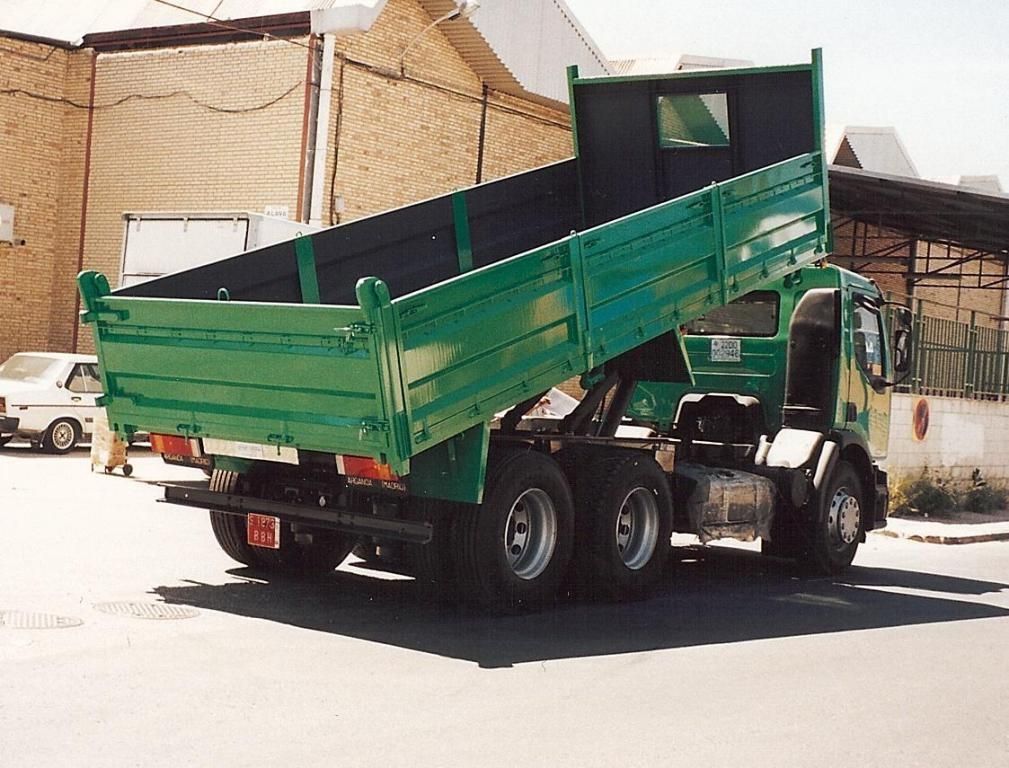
168	111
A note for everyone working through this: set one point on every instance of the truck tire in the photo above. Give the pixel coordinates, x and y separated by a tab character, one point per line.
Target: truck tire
61	436
325	552
625	521
317	557
229	530
434	564
836	526
514	548
786	539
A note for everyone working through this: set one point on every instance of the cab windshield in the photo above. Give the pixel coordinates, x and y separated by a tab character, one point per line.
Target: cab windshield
32	369
755	314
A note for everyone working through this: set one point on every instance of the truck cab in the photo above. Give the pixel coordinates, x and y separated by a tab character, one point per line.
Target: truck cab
788	381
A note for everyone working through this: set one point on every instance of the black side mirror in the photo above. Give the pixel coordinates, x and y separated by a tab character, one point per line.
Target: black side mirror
902	324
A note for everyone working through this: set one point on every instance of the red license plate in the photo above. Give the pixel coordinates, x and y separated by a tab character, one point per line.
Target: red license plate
263	531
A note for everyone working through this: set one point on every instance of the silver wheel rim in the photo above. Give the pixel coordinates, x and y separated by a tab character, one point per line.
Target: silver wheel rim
530	534
637	528
844	518
63	436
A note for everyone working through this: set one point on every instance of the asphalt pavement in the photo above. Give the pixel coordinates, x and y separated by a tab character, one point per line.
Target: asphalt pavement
127	638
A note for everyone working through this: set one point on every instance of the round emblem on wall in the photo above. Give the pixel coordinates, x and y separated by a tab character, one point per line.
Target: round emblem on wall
919	419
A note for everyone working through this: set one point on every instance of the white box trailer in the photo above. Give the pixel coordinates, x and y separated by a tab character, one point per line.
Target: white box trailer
156	244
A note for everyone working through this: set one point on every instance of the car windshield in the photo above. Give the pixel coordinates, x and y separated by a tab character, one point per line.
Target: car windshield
33	369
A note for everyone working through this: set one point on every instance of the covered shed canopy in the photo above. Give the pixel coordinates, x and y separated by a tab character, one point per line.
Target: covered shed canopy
928	210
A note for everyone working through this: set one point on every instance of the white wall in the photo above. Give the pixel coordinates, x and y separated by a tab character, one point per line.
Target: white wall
962	435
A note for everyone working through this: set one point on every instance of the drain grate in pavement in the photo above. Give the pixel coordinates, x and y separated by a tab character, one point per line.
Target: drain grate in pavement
30	620
147	610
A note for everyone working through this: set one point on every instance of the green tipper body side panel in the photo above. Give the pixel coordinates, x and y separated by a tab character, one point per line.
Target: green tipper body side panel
413	379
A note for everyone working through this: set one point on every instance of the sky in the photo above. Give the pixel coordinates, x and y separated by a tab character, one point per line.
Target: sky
936	71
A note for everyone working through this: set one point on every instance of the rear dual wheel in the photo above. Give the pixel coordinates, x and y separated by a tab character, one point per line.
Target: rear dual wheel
309	553
625	521
514	548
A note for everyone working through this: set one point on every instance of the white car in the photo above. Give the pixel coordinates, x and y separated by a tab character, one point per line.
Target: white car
48	398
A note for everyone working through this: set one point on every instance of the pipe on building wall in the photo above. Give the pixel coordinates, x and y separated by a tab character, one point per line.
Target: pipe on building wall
334	213
321	134
309	128
483	134
84	197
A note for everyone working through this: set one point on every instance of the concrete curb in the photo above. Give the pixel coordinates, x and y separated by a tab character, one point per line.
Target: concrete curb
928	538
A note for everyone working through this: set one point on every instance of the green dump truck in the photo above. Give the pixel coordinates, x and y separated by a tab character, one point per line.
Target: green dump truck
370	382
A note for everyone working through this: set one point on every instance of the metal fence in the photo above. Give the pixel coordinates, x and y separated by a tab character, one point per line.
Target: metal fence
958	358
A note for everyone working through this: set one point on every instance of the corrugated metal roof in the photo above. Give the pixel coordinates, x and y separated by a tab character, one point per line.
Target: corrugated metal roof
660	65
523	46
60	20
875	149
990	184
926	209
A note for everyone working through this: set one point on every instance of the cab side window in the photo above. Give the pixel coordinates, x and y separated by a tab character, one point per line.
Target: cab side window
868	340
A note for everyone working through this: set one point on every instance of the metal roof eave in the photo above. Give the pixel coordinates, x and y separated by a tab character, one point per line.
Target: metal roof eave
928	210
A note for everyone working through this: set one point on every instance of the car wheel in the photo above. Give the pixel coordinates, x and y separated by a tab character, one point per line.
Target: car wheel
62	436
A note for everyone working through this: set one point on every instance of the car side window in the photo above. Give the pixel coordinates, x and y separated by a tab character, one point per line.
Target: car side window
76	381
91	379
868	340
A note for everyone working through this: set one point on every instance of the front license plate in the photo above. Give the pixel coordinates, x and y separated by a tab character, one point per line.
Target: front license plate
263	531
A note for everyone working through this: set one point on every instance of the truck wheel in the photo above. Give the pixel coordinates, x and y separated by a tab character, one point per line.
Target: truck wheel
623	533
61	436
230	530
326	550
434	564
514	548
837	526
317	557
786	536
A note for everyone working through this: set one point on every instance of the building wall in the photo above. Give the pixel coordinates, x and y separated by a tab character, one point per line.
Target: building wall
953	296
961	294
63	306
214	127
853	239
962	435
396	139
41	155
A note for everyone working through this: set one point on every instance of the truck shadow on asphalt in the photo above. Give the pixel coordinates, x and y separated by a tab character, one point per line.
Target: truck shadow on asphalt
709	596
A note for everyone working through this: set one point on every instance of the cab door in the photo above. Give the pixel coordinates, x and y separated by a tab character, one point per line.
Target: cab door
868	404
83	387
